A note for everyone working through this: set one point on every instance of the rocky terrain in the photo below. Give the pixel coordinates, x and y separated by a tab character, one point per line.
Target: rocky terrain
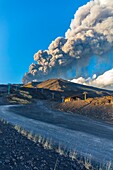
97	108
37	102
25	94
18	152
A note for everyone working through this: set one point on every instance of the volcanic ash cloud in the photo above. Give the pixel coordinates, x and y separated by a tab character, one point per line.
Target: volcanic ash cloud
90	34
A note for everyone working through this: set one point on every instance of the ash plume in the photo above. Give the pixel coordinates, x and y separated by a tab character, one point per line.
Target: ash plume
90	35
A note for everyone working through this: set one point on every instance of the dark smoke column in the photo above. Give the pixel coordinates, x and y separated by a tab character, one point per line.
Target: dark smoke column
90	34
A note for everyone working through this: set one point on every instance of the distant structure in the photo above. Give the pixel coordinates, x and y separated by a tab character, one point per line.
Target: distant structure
81	96
73	98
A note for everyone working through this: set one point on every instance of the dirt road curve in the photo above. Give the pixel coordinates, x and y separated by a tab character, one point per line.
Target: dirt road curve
73	131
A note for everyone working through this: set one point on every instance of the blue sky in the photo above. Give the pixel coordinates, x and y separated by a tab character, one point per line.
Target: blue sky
27	26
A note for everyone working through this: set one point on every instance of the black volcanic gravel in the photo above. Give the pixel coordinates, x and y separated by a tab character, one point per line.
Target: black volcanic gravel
19	153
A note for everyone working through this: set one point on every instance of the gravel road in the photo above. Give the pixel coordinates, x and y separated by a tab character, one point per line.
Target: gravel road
75	132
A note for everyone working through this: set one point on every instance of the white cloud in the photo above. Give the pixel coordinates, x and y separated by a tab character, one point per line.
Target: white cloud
103	81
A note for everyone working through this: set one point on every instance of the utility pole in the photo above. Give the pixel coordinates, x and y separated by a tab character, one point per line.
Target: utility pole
9	88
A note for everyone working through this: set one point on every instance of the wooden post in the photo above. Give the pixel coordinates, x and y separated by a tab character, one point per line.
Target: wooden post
17	87
42	91
36	89
63	98
53	95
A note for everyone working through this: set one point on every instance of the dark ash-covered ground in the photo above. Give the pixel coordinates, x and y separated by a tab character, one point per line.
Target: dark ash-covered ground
17	152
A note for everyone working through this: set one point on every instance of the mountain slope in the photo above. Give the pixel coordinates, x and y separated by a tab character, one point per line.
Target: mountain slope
70	88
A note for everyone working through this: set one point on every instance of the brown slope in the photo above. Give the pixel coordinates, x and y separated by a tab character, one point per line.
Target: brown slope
31	84
70	88
52	84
